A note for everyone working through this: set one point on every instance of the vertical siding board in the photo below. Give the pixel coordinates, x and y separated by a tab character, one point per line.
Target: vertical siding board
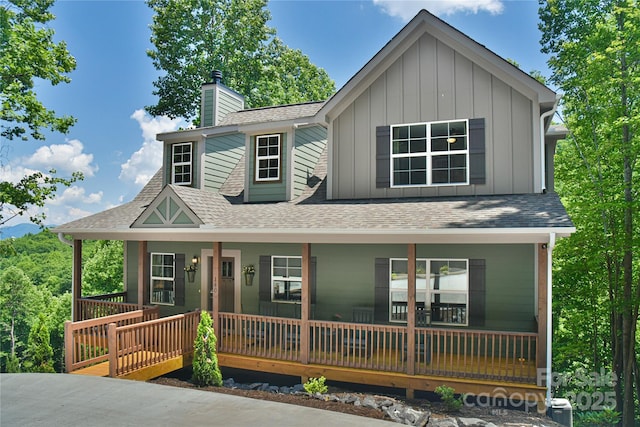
377	109
346	152
410	84
503	150
362	146
522	144
446	83
428	78
394	93
482	107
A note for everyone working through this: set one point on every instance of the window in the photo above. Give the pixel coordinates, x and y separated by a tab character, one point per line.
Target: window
286	278
163	268
268	158
181	163
444	295
430	154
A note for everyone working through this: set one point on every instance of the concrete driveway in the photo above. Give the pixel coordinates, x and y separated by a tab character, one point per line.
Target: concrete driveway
76	400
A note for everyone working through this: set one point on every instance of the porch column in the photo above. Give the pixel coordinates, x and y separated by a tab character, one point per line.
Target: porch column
411	309
77	280
143	269
216	275
541	348
305	303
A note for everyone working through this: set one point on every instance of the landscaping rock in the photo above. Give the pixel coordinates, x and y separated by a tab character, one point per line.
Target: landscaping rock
474	422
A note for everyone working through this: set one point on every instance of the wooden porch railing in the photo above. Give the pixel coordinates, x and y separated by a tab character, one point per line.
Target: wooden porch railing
115	297
86	342
462	353
94	307
141	345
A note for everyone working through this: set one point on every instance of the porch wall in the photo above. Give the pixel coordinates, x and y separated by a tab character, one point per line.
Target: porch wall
345	277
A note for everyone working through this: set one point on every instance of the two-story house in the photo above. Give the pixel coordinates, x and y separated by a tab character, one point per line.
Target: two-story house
399	233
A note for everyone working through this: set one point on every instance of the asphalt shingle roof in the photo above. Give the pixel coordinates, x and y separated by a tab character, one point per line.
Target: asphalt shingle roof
272	114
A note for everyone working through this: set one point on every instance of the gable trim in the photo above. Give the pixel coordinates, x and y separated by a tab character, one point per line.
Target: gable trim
167	210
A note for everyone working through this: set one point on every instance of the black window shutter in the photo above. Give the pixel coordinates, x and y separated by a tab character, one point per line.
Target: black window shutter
477	168
179	279
264	278
383	156
477	292
381	304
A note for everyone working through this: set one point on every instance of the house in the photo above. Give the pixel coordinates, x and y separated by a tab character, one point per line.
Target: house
399	233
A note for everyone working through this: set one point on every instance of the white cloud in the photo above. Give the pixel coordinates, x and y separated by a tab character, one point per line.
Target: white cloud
407	9
145	162
76	195
68	157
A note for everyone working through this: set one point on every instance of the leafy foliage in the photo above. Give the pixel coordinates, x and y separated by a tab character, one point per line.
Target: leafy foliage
39	352
28	52
316	385
447	395
605	418
102	273
194	37
596	63
205	360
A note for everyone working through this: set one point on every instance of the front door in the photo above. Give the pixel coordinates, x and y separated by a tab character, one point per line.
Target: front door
227	287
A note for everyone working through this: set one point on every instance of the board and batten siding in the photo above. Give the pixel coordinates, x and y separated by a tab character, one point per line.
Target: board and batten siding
269	191
222	154
432	82
310	142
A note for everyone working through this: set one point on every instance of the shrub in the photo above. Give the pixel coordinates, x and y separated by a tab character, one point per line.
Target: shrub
39	351
447	395
606	417
316	385
205	360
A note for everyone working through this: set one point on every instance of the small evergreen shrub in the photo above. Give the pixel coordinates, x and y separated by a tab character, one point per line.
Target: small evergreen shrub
13	364
447	395
316	385
205	360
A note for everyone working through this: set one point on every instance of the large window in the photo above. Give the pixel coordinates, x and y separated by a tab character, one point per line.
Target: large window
286	278
268	150
442	288
430	154
163	278
181	163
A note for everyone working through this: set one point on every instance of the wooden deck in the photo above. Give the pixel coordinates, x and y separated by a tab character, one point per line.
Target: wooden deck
128	345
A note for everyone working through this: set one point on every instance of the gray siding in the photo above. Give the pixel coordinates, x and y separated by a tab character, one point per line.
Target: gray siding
209	107
309	144
268	191
222	154
431	82
227	103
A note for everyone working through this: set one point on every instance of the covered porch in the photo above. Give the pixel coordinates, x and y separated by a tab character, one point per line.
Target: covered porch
470	360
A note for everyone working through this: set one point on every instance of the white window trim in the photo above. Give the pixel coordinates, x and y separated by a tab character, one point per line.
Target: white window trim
428	291
174	164
284	279
428	154
165	279
268	157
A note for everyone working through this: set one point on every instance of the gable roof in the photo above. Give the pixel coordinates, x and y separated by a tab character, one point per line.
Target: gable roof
425	22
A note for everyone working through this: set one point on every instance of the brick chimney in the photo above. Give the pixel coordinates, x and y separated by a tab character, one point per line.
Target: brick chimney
217	101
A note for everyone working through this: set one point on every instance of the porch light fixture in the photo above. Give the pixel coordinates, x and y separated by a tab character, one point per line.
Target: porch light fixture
451	140
191	269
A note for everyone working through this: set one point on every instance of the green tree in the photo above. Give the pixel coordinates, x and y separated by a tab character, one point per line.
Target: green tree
28	52
39	354
194	37
18	302
103	271
205	360
596	63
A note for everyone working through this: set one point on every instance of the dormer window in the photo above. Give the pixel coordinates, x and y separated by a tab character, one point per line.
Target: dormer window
268	158
182	163
434	153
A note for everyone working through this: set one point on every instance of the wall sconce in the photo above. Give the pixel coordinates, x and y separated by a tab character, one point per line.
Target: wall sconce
451	140
191	269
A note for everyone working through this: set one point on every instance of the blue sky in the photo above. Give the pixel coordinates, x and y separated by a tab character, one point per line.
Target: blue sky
113	142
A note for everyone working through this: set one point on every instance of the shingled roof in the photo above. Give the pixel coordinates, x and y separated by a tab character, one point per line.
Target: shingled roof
272	114
312	213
